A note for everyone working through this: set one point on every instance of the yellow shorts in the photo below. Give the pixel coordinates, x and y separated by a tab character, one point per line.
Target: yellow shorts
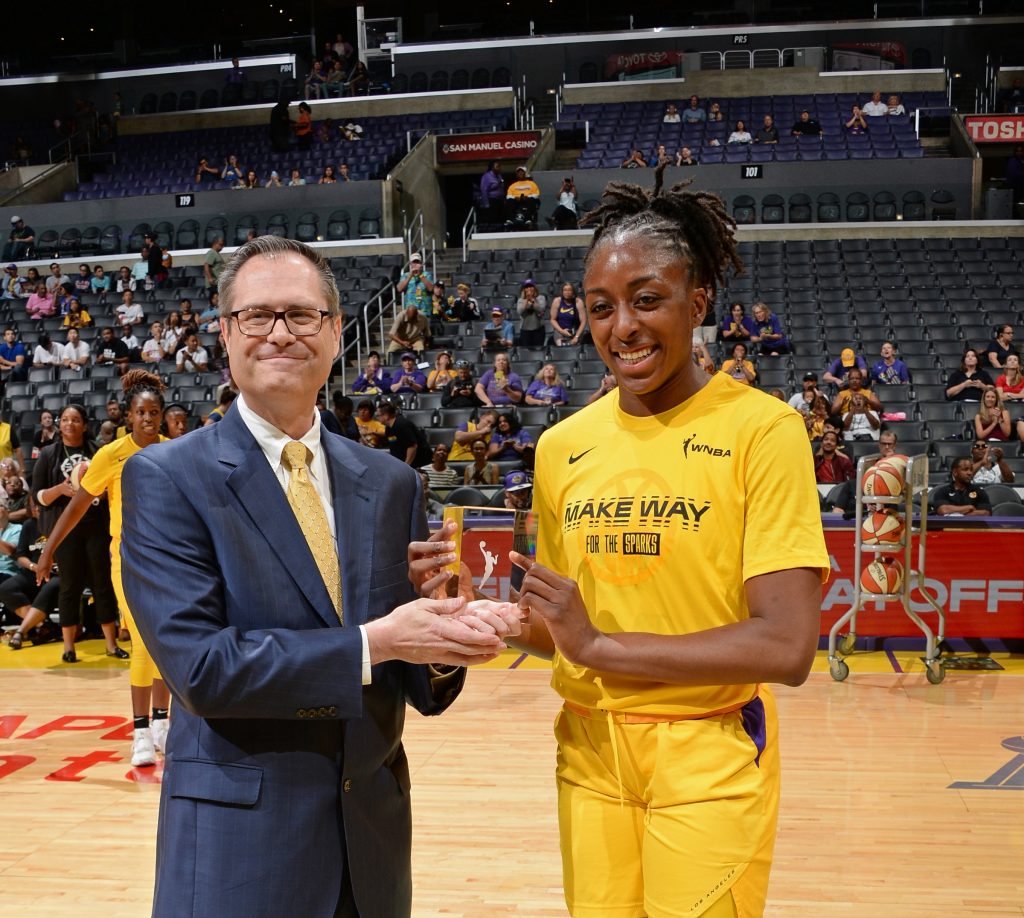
141	670
692	828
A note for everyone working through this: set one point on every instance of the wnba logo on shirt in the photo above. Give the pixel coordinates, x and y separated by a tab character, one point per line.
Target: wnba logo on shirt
689	446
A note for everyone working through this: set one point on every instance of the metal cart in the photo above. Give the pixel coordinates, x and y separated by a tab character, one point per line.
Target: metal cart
915	485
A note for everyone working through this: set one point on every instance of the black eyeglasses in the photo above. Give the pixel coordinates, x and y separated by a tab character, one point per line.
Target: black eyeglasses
257	323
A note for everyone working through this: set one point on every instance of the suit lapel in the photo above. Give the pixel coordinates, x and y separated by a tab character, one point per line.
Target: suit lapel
354	518
260	493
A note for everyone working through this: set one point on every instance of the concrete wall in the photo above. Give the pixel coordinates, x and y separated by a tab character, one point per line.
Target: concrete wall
416	176
40	184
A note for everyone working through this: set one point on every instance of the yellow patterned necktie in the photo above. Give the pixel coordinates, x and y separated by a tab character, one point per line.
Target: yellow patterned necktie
309	511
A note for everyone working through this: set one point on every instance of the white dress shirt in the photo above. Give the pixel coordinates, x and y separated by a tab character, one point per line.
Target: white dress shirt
273	441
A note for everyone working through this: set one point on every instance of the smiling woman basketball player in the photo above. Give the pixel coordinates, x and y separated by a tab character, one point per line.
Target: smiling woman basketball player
679	565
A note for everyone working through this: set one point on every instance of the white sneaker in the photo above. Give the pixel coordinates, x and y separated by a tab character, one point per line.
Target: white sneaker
143	752
159	730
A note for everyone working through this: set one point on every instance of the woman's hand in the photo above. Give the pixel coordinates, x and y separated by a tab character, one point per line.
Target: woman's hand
558	602
43	566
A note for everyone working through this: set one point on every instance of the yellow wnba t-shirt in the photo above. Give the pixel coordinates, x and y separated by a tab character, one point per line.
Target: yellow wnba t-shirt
661	519
104	474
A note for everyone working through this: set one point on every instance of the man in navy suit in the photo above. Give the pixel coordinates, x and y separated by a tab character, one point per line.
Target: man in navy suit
286	787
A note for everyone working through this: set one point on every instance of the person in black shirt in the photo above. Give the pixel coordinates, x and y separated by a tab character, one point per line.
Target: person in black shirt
960	497
769	133
1000	347
967	383
807	125
460	392
31	603
405	440
155	269
111	349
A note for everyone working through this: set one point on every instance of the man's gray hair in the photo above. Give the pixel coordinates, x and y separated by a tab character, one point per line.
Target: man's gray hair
273	247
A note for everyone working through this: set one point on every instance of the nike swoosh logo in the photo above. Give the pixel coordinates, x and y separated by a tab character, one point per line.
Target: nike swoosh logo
575	459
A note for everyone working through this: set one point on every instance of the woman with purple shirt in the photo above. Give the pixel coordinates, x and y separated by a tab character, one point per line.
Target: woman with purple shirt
508	440
499	385
547	388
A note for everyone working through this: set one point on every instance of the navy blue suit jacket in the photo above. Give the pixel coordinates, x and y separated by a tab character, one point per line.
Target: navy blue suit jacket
283	771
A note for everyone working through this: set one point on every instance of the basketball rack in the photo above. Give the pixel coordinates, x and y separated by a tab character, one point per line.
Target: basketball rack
915	485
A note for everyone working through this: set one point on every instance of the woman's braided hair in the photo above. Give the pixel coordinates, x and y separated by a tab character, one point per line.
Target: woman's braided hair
696	223
141	382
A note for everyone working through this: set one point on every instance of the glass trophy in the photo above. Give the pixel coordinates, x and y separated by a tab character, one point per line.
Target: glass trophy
483	539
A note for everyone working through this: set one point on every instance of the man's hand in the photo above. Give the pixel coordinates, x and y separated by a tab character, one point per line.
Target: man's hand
505	619
558	602
432	631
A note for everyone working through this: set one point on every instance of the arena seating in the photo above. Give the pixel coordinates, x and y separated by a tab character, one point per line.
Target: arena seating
618	127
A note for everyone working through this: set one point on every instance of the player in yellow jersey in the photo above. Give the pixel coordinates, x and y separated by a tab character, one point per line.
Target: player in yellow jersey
143	395
679	567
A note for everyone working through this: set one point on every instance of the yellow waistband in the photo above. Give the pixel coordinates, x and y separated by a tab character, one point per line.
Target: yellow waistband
623	717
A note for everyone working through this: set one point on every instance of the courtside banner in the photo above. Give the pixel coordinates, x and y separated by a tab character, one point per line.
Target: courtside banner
467	148
995	128
977	576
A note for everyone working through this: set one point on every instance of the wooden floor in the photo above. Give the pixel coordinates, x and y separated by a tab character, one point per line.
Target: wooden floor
870	823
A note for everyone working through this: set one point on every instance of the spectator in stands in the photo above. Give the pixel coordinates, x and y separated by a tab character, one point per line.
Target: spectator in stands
685	157
856	123
125	281
1000	347
532	310
114	413
189	319
83	281
635	160
737	325
855	386
438	472
372	432
890	370
409	378
339	419
500	333
876	107
315	81
46	353
830	465
11	283
40	304
816	416
547	388
274	181
659	156
100	283
374	380
894	107
193	357
565	215
409	332
738	367
480	472
462	307
432	504
46	434
768	132
522	201
518	491
701	355
568	317
174	333
1011	383
20	240
992	422
607	384
405	441
153	350
128	312
75	354
334	86
232	170
988	464
206	174
235	75
960	497
343	173
768	334
153	255
250	181
859	421
296	179
809	391
132	343
26	286
460	391
107	433
694	113
56	279
443	372
280	127
304	127
740	134
328	177
213	264
175	421
227	396
492	194
13	358
968	382
887	443
358	82
499	385
415	285
17	497
838	371
715	112
671	114
806	126
110	350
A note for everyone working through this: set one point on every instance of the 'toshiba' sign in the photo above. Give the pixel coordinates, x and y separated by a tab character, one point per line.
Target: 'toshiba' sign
995	128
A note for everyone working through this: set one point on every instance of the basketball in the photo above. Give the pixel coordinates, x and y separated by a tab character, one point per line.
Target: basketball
78	473
883	575
885	478
881	528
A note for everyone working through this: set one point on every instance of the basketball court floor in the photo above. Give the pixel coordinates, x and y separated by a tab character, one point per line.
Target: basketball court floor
900	798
